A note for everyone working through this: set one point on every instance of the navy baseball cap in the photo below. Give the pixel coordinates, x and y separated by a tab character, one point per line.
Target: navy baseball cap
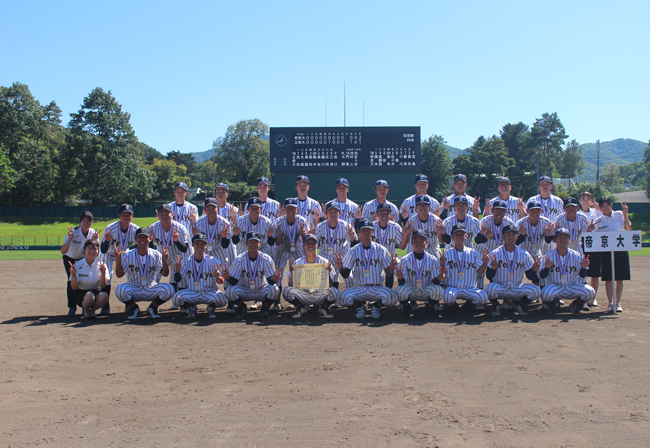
461	200
534	204
125	208
460	177
309	236
509	228
302	178
422	199
210	201
342	180
421	178
263	180
544	179
366	224
254	202
200	237
142	231
222	185
332	204
383	206
562	231
571	201
458	228
253	236
183	185
291	202
165	207
500	204
504	179
381	183
418	232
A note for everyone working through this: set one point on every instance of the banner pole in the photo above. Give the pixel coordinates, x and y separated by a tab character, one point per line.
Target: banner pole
613	285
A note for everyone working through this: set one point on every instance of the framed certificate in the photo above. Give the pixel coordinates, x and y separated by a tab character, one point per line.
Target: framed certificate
310	276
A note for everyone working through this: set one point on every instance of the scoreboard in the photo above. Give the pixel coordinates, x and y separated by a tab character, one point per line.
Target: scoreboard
345	149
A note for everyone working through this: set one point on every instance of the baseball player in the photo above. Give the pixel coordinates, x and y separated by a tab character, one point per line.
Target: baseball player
564	268
347	207
419	276
429	223
253	221
252	277
143	268
224	208
472	225
218	231
308	208
302	299
491	234
89	281
552	206
289	230
73	251
577	223
370	207
535	230
460	185
464	266
408	207
387	233
506	270
334	235
516	208
366	262
184	212
201	272
270	207
171	236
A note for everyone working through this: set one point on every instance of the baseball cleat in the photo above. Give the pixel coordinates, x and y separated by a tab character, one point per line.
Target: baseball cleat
520	309
575	307
496	311
240	311
153	312
173	308
255	306
374	312
361	311
325	312
191	311
132	313
212	312
230	309
301	312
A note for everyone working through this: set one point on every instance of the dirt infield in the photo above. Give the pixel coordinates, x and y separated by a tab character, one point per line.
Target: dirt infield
536	381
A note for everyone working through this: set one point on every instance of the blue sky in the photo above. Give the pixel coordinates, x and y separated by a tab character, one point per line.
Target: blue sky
185	71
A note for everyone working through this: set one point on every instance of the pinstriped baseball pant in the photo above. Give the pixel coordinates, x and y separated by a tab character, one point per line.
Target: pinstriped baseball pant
572	290
283	256
510	291
305	297
237	292
475	295
362	294
127	291
407	292
188	297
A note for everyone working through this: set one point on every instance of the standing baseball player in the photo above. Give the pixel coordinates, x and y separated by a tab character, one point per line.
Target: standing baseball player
552	206
464	266
218	231
224	208
408	207
270	207
347	207
576	223
472	225
564	268
387	233
429	223
171	236
491	235
366	262
143	268
289	230
419	276
253	277
516	208
184	212
506	270
334	235
370	208
253	221
460	185
535	230
201	272
308	208
302	299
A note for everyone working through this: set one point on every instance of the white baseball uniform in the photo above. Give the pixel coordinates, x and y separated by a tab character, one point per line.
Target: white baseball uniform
306	210
577	228
202	285
142	277
387	237
164	241
124	239
367	266
472	226
429	227
450	199
564	281
213	232
512	212
252	278
370	207
409	205
291	239
507	283
312	297
348	210
182	213
534	241
493	242
552	207
418	277
261	226
462	272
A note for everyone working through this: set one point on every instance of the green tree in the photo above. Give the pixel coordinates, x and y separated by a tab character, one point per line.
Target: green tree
611	177
167	175
571	162
147	153
646	160
436	164
548	135
7	173
517	140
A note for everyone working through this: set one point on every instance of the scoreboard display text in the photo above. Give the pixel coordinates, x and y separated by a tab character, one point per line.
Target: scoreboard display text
304	150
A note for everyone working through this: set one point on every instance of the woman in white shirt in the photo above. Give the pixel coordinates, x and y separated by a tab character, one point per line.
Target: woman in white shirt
88	278
73	250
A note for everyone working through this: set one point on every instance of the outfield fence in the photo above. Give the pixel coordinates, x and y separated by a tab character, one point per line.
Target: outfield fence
32	240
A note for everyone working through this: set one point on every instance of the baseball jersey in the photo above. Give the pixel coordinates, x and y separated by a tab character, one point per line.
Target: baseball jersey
450	200
306	210
512	211
199	275
331	241
244	223
224	212
565	269
429	226
348	210
388	237
370	207
213	232
552	207
409	205
472	225
88	276
183	212
125	239
462	267
76	249
252	274
497	235
367	265
303	260
270	209
534	242
142	270
164	241
512	265
419	273
576	228
290	233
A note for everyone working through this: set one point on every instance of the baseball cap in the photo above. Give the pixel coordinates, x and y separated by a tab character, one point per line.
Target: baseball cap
253	236
309	236
366	224
165	207
383	206
460	177
302	178
461	200
183	185
534	204
210	201
422	199
342	180
418	232
504	179
571	201
222	185
291	202
562	231
125	208
544	179
421	178
142	231
500	204
458	228
509	228
332	204
381	183
254	202
263	180
200	237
